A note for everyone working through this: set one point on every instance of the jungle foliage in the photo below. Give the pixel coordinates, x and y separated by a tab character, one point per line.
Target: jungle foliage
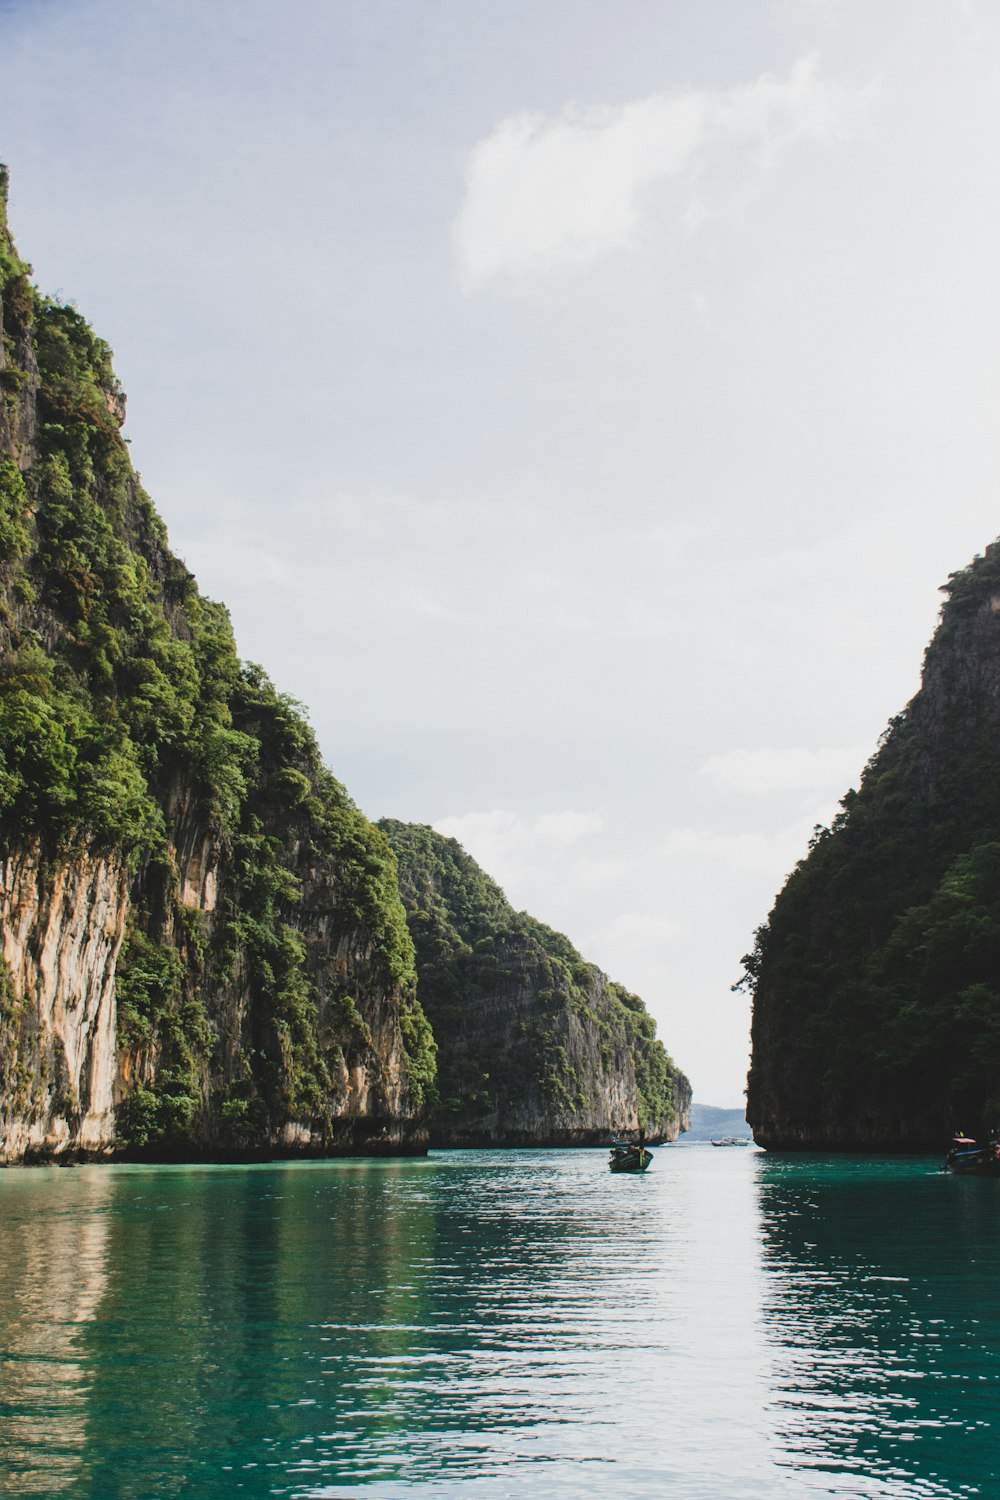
875	979
470	946
124	709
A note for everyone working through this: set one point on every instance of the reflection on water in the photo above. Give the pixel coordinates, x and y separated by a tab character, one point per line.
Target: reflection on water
53	1234
883	1310
728	1327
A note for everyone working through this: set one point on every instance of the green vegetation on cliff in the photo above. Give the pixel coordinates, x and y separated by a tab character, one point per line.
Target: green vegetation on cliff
877	977
264	994
501	990
129	725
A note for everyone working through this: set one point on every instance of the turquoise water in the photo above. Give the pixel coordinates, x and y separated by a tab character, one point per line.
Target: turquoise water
501	1324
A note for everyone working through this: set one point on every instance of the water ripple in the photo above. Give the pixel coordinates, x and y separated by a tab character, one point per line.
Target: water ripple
728	1327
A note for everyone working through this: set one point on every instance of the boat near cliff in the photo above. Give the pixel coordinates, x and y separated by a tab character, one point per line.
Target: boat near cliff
969	1158
626	1156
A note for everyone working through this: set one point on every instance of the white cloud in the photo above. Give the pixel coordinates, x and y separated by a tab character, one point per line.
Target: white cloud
544	193
637	931
768	854
757	772
516	850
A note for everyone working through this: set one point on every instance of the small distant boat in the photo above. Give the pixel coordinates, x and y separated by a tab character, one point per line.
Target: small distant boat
733	1140
969	1158
626	1156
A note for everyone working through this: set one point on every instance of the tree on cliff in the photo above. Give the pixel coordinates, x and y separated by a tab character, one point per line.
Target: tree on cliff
876	1000
536	1045
249	913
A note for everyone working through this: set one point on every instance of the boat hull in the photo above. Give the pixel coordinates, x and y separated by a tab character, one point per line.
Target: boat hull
974	1161
631	1161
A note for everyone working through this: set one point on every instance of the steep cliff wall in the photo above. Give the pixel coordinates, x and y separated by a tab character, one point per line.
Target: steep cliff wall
877	977
204	947
62	930
536	1046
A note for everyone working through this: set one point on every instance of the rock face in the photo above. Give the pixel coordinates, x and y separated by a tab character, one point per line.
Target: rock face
536	1047
204	950
62	932
877	977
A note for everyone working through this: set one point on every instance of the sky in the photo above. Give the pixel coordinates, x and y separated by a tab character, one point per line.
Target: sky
578	406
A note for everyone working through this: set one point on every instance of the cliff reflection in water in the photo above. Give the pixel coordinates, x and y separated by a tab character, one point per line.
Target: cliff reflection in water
53	1254
882	1313
228	1276
277	1330
728	1327
483	1319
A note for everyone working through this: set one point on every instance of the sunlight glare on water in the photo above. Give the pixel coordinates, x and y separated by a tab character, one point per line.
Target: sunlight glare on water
507	1323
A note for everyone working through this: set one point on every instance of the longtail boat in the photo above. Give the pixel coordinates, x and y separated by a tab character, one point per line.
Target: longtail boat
626	1156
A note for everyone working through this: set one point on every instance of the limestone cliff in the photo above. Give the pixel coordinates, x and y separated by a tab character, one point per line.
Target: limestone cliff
536	1047
876	992
62	931
204	950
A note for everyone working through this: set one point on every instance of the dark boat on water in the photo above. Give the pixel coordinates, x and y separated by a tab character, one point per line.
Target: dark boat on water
626	1156
969	1158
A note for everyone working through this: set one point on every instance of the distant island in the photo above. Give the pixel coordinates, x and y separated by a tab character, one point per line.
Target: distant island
709	1123
536	1045
876	978
206	952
